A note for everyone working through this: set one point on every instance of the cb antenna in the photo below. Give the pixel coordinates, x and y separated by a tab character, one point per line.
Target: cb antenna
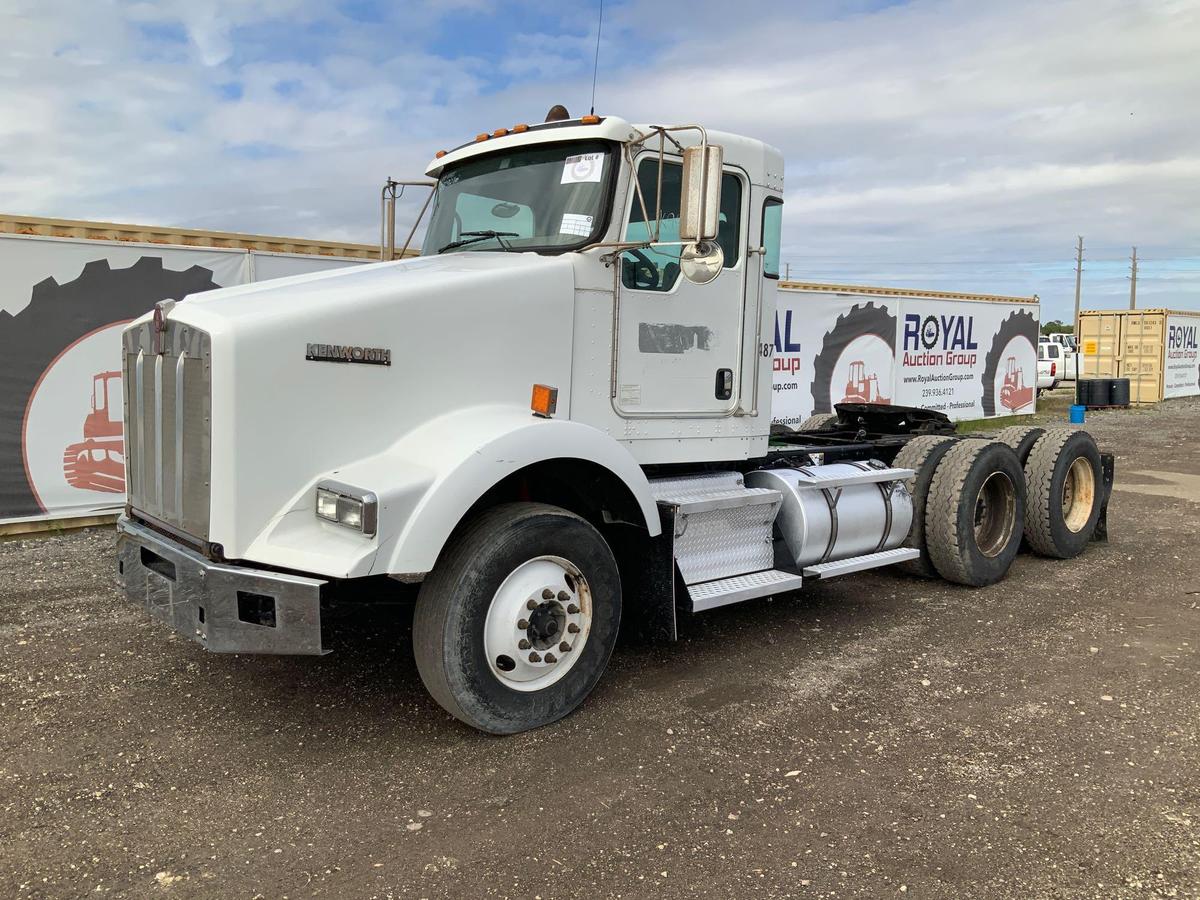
596	63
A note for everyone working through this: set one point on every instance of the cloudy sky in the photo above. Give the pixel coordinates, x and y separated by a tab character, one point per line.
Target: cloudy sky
934	143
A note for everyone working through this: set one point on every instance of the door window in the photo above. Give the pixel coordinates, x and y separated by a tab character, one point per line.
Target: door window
657	268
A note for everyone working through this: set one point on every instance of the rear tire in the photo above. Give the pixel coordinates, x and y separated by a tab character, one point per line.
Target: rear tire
467	648
975	511
1021	438
819	422
922	455
1064	485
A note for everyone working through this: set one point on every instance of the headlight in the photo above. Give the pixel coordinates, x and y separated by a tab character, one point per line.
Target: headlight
349	506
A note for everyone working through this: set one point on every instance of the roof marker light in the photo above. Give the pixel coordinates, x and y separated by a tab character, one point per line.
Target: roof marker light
482	136
500	132
439	154
520	129
589	120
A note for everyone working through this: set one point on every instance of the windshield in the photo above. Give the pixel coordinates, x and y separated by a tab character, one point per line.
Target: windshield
548	197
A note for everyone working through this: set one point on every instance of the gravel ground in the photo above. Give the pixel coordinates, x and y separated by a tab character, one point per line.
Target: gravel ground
872	736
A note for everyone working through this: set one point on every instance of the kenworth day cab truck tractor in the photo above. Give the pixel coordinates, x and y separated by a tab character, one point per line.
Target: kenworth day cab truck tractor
556	420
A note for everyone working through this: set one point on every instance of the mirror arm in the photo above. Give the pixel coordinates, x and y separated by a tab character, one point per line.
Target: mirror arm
387	214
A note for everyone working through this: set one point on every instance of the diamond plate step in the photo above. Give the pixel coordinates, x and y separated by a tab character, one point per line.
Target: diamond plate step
724	591
722	527
819	479
696	484
689	503
860	563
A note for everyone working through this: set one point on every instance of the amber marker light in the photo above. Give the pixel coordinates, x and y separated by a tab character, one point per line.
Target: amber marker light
439	154
482	136
500	132
589	120
520	129
545	400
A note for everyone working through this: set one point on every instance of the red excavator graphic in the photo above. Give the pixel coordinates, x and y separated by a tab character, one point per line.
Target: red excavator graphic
97	463
862	388
1015	393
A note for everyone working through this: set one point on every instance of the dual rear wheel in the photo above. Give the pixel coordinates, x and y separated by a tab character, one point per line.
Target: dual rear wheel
975	500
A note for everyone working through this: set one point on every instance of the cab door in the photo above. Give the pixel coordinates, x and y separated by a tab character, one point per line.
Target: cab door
679	343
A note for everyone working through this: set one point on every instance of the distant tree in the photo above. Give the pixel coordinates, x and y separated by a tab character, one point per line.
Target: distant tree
1056	327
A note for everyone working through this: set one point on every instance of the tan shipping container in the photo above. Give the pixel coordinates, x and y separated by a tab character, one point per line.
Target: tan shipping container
1154	348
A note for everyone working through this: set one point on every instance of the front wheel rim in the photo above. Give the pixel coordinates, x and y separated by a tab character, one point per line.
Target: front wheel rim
538	623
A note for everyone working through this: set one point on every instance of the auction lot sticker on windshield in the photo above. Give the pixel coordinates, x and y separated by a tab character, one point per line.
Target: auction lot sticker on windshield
583	168
575	223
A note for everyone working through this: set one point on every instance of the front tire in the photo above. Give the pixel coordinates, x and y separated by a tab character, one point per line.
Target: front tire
518	564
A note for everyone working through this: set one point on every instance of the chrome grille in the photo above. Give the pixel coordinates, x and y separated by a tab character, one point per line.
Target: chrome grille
167	411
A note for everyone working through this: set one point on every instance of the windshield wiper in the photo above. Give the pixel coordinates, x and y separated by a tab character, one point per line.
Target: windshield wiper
474	237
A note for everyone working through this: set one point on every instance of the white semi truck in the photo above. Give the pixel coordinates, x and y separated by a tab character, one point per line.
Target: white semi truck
553	422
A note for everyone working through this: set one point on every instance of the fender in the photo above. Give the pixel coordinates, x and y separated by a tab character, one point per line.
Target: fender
426	482
463	455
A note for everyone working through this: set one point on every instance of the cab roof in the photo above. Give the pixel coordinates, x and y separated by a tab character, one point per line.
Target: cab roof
762	162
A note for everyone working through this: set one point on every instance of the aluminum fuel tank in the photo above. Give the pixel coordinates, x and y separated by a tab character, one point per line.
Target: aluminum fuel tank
824	518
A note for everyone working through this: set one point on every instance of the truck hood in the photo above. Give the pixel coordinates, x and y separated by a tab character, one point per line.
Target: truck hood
446	333
297	294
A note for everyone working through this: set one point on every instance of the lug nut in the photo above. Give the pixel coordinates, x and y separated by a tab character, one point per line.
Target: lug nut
563	596
531	604
547	594
551	658
564	647
522	624
535	657
573	628
572	609
523	644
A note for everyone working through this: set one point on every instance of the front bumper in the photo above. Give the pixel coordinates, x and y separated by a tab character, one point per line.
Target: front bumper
226	609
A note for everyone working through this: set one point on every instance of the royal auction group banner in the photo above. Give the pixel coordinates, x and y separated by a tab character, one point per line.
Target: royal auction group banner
1181	365
970	358
63	304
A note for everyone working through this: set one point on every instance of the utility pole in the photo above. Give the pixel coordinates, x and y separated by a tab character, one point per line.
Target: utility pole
1133	280
787	271
1078	282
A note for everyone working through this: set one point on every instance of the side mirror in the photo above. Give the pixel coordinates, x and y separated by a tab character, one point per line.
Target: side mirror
700	203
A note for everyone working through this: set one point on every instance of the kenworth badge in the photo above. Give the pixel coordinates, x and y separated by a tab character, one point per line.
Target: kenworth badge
345	353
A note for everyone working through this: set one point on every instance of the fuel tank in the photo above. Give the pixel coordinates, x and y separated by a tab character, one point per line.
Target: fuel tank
839	510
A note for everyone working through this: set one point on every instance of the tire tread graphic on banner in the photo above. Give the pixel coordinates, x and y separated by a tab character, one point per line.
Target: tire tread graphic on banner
57	316
862	319
1021	323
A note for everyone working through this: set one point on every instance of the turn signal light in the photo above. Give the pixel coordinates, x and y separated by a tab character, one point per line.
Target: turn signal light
545	400
589	120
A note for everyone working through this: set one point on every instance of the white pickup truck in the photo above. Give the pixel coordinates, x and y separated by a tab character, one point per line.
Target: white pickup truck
1066	356
1050	366
554	422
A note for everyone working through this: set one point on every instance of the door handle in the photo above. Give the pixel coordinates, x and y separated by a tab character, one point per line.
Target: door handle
724	385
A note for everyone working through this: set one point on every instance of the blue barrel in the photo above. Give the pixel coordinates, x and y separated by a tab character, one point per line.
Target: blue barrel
1077	412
